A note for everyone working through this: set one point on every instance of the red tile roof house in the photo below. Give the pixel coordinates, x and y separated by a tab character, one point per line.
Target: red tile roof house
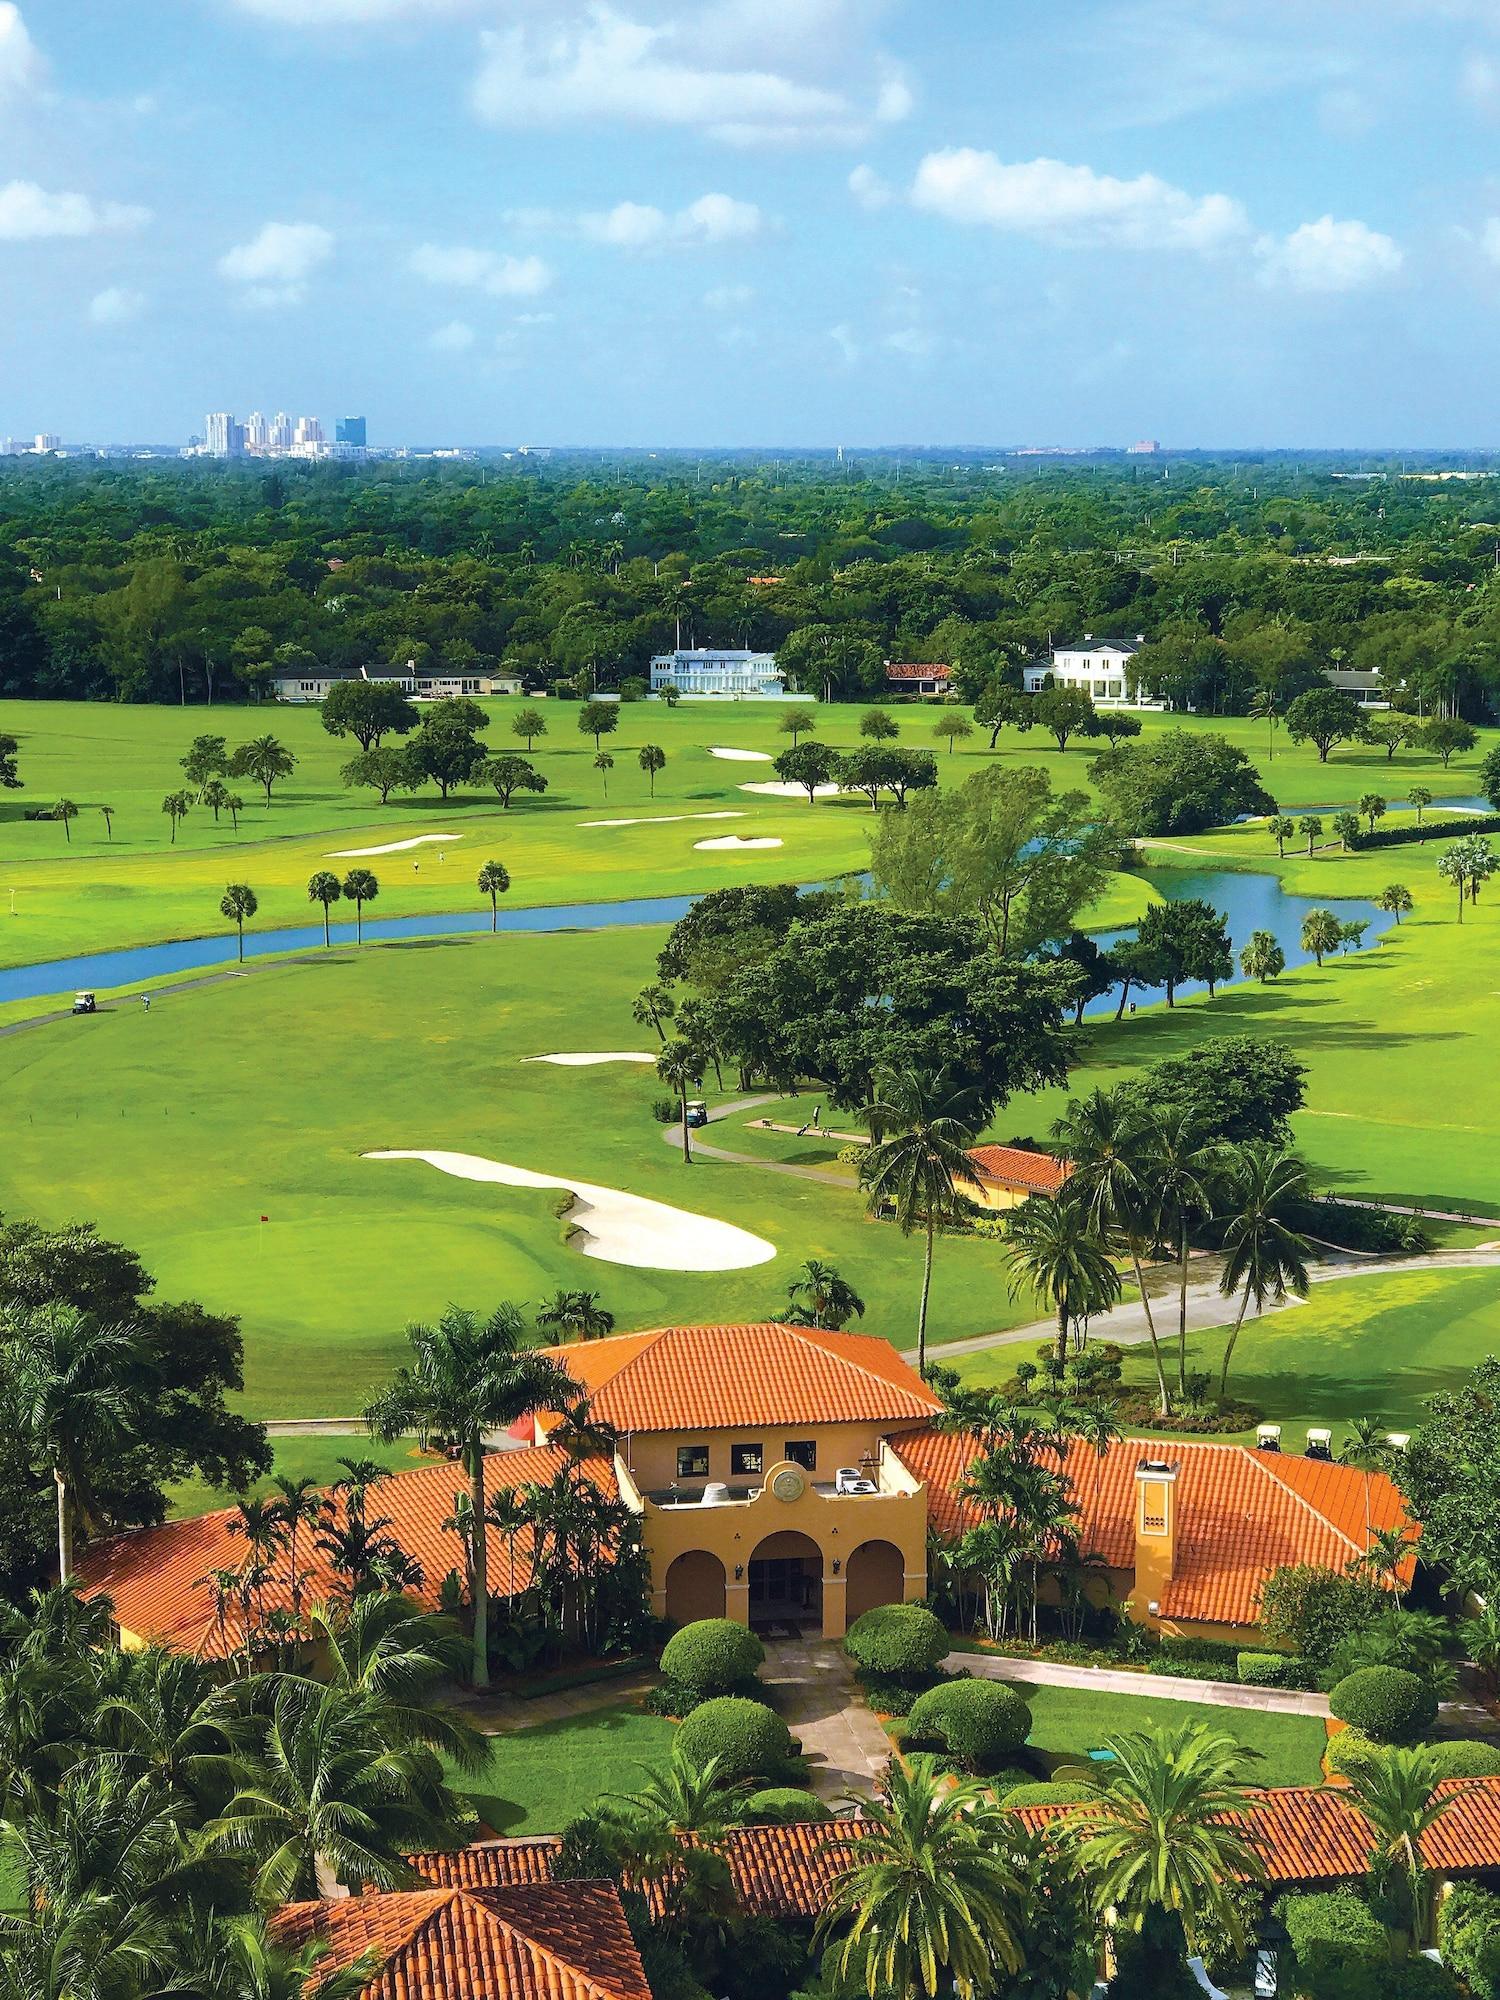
933	679
1004	1176
791	1474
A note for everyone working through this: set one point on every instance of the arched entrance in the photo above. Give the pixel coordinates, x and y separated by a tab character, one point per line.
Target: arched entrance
695	1587
786	1580
875	1574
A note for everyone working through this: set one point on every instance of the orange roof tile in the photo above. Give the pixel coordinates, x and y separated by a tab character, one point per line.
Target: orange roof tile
917	673
702	1378
157	1577
1240	1513
550	1941
1021	1166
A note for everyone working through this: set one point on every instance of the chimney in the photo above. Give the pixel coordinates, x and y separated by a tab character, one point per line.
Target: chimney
1155	1531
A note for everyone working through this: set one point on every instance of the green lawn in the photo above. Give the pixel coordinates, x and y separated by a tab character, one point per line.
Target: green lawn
301	1458
1068	1722
540	1778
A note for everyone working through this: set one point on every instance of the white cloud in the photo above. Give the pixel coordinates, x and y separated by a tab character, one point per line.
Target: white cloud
499	275
21	65
115	305
915	342
1073	205
848	346
894	99
868	189
28	212
454	338
275	265
712	218
705	69
728	298
1329	256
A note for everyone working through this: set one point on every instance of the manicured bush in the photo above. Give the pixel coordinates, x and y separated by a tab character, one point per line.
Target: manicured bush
749	1739
978	1722
1417	1978
783	1805
1196	1659
1469	1937
1465	1758
1351	1753
1267	1670
887	1695
1340	1948
1387	1703
903	1640
714	1654
1048	1792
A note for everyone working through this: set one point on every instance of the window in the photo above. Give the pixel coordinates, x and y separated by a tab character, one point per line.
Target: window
803	1452
692	1461
746	1459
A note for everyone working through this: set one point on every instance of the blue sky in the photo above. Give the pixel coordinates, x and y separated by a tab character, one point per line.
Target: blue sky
755	222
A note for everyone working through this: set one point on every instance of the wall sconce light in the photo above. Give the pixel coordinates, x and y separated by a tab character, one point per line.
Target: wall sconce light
837	1565
739	1571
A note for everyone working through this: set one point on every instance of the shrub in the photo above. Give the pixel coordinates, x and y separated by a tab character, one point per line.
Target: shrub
1340	1948
749	1739
1464	1758
783	1805
1267	1670
1196	1659
664	1110
1352	1753
714	1654
1417	1979
887	1695
1469	1935
1310	1610
978	1722
903	1640
1387	1703
1049	1792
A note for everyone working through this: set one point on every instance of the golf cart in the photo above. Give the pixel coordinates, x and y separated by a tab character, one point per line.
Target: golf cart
697	1114
85	1003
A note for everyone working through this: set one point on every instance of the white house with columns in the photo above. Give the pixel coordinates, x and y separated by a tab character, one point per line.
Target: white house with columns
1100	667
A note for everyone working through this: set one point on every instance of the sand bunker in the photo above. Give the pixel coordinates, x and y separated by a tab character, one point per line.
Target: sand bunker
780	789
392	846
660	819
585	1059
736	842
743	756
615	1227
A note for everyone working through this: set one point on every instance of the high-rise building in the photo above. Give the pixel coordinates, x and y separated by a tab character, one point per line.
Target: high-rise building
309	431
350	430
222	436
47	441
257	432
281	432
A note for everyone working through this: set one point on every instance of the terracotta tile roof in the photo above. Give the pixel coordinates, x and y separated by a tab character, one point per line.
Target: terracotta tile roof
700	1378
157	1576
778	1871
917	673
1240	1513
553	1941
1022	1167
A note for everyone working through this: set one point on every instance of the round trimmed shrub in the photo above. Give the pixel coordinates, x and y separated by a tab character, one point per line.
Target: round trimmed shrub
749	1739
978	1722
1351	1754
783	1805
1387	1703
903	1640
714	1654
1049	1793
1465	1759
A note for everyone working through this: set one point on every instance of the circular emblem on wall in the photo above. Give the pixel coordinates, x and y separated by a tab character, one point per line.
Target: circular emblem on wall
788	1484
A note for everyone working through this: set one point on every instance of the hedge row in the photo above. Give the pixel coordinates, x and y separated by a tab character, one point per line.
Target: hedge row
1444	829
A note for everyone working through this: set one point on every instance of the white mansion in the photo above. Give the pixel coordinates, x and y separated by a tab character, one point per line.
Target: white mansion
731	675
1100	667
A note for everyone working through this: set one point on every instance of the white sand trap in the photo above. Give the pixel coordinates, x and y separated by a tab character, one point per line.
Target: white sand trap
392	846
585	1059
736	842
743	756
619	1228
660	819
780	789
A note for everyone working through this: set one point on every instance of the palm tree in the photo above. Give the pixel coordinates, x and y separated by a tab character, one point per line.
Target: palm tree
1418	796
1056	1249
263	1527
1396	900
1320	933
469	1376
1397	1794
1311	827
604	764
1388	1549
993	1551
1262	957
822	1297
238	902
1368	1447
1262	708
234	805
1261	1189
921	1128
300	1503
1097	1426
680	1067
361	887
575	1316
323	887
1481	1641
381	1649
235	1959
108	815
264	759
1182	1169
493	880
652	759
176	805
169	1718
74	1379
1110	1146
931	1896
1371	806
1162	1828
1282	830
652	1006
215	795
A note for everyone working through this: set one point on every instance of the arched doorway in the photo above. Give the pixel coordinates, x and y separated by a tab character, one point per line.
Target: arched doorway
695	1587
875	1574
786	1580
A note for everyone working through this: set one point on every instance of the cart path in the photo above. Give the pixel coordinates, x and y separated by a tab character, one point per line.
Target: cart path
703	1150
120	1001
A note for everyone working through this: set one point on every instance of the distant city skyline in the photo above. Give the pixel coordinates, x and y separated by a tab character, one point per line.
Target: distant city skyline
756	222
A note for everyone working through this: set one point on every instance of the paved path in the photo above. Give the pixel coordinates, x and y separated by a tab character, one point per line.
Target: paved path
816	1694
123	1001
1113	1680
496	1713
673	1136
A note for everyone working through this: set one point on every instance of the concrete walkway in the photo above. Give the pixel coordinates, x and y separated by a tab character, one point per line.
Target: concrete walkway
702	1149
123	1002
814	1691
1119	1680
496	1713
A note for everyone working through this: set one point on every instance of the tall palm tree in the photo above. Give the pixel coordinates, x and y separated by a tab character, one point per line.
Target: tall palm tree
238	902
680	1067
361	886
821	1296
300	1503
651	1006
667	1837
469	1376
921	1128
1182	1168
1397	1794
604	764
169	1719
323	887
1260	1189
264	759
75	1383
575	1316
1109	1144
1056	1250
1368	1447
493	880
1097	1427
1163	1828
261	1524
931	1896
381	1649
